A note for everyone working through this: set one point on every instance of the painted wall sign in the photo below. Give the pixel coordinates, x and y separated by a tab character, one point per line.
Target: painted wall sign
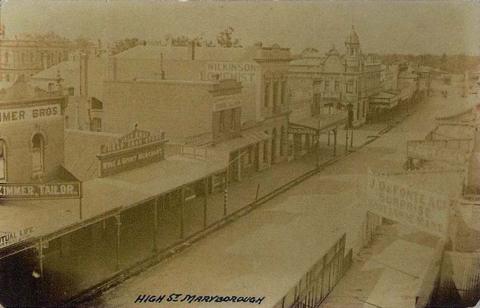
8	116
19	191
437	150
134	150
10	238
420	209
243	72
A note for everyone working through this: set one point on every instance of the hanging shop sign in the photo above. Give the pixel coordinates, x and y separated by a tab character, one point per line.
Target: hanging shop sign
136	149
400	202
439	150
34	191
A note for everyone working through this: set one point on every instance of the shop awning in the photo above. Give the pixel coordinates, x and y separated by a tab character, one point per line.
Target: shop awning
104	195
319	123
246	139
384	100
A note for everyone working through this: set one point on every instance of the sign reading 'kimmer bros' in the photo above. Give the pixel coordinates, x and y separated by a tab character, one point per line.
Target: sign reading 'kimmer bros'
11	191
29	113
423	210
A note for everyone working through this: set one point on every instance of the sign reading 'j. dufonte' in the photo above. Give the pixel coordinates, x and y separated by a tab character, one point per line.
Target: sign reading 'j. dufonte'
421	209
15	191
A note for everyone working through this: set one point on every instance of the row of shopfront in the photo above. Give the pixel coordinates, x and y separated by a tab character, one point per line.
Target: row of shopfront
138	208
55	267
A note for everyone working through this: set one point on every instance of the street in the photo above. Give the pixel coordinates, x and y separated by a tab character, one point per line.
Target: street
313	208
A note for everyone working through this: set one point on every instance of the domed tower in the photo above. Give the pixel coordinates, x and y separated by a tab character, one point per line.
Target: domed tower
352	43
353	54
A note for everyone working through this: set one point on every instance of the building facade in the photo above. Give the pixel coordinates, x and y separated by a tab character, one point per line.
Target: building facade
261	70
31	134
338	79
30	54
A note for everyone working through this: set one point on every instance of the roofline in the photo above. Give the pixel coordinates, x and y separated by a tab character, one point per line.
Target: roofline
31	102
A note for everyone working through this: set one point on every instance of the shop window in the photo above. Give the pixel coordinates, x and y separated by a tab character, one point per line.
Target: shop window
38	149
3	162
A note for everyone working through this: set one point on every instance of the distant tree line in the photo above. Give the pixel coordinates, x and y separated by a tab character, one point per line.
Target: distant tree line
448	63
224	39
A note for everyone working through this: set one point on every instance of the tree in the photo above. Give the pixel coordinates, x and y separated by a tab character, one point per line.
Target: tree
125	44
224	38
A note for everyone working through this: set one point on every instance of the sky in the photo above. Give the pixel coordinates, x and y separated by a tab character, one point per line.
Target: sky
414	27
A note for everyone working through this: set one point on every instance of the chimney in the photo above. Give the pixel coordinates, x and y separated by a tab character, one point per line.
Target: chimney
193	50
84	74
161	67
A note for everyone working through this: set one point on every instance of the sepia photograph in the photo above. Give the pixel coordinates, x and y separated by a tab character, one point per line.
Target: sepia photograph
236	154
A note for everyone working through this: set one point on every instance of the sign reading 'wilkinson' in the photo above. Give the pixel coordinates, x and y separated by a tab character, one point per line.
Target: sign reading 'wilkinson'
29	113
243	72
10	191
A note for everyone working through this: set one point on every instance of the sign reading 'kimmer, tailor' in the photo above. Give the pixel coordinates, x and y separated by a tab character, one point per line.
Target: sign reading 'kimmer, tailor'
29	113
423	210
11	191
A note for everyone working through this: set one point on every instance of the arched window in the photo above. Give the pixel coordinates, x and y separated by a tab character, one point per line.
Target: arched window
266	94
265	149
38	149
274	145
282	141
3	162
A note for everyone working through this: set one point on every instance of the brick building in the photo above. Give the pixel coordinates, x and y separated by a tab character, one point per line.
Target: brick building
261	70
29	54
32	133
336	79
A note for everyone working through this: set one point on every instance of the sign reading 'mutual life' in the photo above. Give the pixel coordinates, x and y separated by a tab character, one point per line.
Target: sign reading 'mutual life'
421	209
17	191
136	149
